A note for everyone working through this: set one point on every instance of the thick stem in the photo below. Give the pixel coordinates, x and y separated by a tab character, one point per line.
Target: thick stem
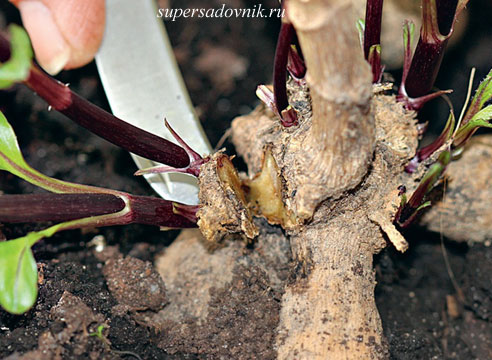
372	30
340	143
335	248
331	314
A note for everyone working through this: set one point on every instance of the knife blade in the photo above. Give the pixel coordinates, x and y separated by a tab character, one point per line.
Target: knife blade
143	84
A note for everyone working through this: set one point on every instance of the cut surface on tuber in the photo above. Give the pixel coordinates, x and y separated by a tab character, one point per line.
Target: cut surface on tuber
265	193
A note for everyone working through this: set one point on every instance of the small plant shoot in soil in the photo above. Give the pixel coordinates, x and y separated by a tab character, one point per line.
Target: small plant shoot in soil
332	156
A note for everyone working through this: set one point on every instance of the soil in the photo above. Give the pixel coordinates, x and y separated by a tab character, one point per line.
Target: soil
425	315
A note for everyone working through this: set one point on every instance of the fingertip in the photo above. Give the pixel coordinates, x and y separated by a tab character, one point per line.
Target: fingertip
51	50
82	25
65	34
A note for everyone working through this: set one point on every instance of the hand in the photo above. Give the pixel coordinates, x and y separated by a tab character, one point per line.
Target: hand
65	34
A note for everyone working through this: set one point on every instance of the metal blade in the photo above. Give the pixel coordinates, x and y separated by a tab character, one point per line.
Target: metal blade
143	85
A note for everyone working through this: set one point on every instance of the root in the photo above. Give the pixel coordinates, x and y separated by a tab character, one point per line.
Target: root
331	314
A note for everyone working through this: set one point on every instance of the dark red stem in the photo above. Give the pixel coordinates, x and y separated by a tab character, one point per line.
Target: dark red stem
430	149
446	11
296	65
372	30
428	55
424	69
64	207
4	48
104	124
56	207
155	211
280	68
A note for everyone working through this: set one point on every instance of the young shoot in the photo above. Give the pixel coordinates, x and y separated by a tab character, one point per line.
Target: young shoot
420	68
371	42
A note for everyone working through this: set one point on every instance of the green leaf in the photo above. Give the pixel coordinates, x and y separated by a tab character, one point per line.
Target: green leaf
11	160
361	26
18	276
482	95
375	50
447	132
483	114
403	200
408	35
99	332
18	272
424	206
484	91
480	119
16	69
